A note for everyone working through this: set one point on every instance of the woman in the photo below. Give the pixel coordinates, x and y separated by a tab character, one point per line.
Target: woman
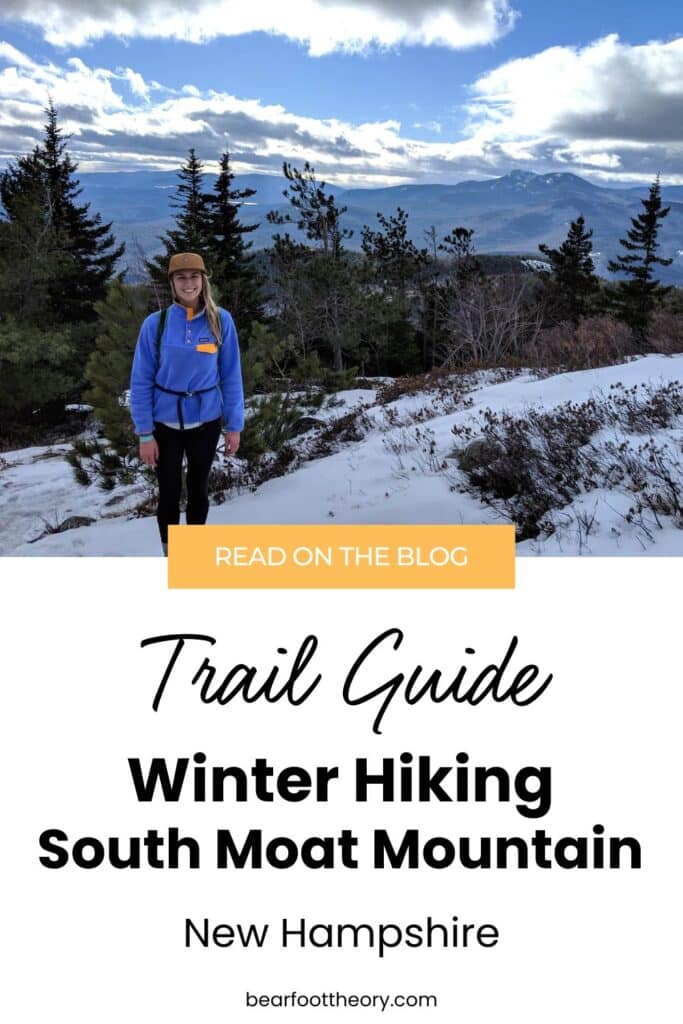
186	378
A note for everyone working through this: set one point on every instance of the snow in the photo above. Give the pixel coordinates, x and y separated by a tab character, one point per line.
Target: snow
401	471
344	402
38	491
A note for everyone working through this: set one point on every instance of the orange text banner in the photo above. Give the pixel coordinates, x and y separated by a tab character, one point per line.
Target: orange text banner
341	556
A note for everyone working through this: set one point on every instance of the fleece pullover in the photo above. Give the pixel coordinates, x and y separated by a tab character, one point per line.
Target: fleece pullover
189	361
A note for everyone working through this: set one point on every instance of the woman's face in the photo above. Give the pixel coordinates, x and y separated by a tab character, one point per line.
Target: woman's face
188	286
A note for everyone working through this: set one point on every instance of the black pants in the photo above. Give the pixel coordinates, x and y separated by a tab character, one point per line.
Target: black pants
199	446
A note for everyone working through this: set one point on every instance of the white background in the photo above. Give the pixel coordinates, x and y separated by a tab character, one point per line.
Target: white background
106	945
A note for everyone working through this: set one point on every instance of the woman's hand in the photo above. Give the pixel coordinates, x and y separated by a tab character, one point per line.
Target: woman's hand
232	442
149	452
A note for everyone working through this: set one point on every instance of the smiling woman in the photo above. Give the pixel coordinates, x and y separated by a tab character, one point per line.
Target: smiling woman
186	377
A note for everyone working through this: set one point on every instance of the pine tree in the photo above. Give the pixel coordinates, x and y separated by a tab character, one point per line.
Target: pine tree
637	296
119	314
430	319
395	266
93	253
32	257
459	290
459	248
317	283
395	258
315	211
192	231
80	248
38	365
573	282
233	271
33	374
56	258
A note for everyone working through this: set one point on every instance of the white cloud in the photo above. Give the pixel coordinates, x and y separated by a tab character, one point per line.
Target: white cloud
322	25
73	84
610	110
560	109
430	126
608	91
581	152
14	56
138	86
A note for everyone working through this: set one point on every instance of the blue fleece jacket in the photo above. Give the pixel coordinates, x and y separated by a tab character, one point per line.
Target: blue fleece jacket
189	360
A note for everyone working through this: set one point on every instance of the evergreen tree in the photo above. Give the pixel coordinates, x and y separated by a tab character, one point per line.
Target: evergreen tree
233	271
80	249
315	211
430	319
192	231
296	312
32	258
317	283
90	244
459	249
32	373
395	258
460	287
107	371
395	267
573	282
637	296
56	258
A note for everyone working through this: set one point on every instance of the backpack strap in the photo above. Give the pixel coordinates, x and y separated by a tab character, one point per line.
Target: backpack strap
160	333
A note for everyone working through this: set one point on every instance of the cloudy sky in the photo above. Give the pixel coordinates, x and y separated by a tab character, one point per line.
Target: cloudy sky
371	92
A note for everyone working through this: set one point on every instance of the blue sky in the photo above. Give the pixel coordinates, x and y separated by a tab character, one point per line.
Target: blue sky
370	91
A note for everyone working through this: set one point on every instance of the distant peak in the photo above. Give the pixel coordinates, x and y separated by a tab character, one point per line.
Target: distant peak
523	178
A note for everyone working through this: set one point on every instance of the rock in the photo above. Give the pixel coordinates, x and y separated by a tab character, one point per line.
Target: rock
304	424
480	451
73	522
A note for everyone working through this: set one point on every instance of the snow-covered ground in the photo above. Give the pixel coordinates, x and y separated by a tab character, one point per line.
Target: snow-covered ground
401	471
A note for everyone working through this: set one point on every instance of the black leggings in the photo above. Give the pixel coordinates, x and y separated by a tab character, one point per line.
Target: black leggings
199	445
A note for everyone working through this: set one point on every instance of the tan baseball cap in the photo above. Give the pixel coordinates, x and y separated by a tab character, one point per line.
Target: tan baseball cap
185	261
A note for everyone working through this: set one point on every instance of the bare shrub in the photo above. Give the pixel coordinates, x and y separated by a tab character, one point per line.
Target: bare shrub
595	341
530	465
489	320
654	474
391	390
643	408
666	332
437	382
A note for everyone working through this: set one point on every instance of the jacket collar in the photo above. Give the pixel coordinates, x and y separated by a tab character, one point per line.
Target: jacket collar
185	311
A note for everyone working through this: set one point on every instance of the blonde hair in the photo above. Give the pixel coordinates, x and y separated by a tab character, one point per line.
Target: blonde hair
212	314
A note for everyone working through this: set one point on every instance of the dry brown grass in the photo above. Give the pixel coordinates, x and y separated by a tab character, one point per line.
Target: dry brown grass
595	341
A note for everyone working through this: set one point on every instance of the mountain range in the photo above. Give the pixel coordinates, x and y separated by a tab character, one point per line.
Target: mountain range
512	214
